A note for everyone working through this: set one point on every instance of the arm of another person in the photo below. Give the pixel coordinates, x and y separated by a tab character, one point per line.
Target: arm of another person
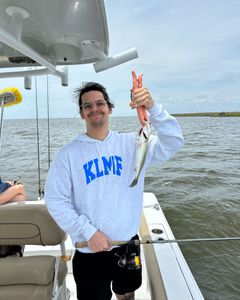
13	193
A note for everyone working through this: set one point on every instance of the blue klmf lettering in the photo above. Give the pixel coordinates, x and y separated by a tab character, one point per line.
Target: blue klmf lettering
113	163
94	169
107	164
118	160
88	173
98	172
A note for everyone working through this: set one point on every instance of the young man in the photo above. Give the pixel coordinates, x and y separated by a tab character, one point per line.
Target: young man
87	191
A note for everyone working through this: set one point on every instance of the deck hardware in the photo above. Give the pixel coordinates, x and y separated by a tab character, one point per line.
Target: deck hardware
157	231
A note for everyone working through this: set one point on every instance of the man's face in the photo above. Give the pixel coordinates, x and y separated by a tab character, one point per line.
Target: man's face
95	110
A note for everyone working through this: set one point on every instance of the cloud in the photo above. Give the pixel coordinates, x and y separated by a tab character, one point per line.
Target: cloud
188	53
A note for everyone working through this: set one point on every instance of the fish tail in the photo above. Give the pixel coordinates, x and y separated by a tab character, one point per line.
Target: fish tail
134	182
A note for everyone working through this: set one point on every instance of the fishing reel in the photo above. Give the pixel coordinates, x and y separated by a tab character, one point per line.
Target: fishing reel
129	257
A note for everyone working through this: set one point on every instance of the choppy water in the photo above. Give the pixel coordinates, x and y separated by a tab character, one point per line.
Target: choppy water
199	190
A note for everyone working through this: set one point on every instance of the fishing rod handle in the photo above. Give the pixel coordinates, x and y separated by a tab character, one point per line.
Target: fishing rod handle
111	243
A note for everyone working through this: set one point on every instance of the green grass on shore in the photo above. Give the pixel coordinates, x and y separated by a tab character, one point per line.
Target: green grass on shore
209	114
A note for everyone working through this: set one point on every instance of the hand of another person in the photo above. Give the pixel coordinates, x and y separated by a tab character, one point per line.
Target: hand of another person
98	242
141	97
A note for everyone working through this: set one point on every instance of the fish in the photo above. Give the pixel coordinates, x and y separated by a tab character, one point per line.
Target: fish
141	152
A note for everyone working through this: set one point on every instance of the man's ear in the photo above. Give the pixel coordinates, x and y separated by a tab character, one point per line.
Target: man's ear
81	115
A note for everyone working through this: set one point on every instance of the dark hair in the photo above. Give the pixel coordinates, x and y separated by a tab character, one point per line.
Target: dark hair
92	86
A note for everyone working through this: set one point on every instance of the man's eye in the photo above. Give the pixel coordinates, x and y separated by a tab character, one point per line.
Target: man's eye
101	104
87	106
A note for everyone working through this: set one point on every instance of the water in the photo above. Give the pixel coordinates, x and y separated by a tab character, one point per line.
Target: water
199	190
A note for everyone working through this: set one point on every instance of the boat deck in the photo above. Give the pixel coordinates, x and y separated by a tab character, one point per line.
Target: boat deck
166	275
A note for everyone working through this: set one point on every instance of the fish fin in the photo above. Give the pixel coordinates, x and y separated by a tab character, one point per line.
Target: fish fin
134	182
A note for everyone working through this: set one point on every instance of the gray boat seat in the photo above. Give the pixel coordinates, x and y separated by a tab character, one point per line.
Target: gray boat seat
35	277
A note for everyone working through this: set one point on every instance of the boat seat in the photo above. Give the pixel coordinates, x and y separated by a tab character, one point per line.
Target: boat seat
35	277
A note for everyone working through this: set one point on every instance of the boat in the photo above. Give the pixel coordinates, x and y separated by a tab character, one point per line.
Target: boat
45	37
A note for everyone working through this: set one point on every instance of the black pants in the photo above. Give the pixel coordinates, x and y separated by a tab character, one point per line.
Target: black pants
95	272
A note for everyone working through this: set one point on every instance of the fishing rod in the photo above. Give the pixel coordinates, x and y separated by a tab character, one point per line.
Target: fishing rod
140	242
31	163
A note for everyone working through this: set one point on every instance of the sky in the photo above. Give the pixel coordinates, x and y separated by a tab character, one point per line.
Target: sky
189	54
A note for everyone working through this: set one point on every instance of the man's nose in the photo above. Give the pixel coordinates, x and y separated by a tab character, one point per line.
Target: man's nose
94	106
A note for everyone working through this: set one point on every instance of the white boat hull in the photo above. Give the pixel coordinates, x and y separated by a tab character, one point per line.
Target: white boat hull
169	275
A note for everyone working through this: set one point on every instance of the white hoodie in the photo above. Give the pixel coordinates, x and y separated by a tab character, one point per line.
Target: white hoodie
87	187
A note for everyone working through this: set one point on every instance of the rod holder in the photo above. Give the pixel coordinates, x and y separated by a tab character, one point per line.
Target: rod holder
115	60
17	15
106	62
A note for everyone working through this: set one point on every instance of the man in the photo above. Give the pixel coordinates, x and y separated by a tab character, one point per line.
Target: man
87	191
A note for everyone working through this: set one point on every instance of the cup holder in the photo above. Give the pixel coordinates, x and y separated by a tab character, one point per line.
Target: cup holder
157	231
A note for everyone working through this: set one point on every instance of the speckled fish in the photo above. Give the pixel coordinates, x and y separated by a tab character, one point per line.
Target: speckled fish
141	152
